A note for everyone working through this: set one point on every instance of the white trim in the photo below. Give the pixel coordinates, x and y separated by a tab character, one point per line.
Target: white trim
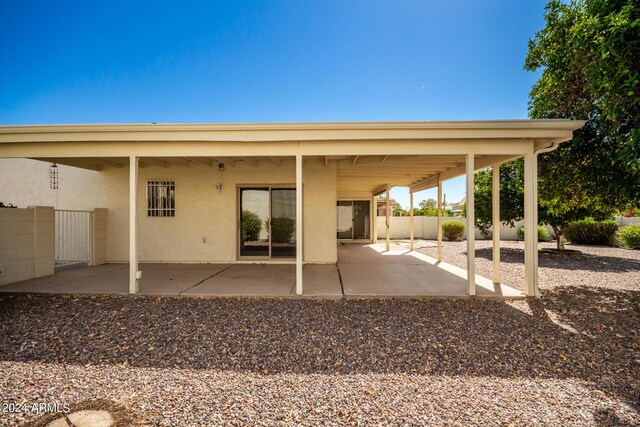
471	241
299	225
495	206
134	274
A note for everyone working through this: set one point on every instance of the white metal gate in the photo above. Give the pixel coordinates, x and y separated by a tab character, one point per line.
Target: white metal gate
73	237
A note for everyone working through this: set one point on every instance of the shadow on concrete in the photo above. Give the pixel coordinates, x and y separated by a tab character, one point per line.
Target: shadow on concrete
594	337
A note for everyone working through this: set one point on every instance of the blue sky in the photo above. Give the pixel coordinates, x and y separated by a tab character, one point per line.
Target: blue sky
269	61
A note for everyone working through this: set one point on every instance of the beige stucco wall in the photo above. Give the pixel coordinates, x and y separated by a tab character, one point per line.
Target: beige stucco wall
201	212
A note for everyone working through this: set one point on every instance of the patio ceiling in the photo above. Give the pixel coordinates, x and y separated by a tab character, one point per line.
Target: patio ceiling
356	173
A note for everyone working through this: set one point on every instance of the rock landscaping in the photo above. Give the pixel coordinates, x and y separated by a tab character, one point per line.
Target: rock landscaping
570	358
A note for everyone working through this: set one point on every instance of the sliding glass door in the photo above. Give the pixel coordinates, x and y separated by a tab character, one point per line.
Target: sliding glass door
354	219
267	222
283	223
254	222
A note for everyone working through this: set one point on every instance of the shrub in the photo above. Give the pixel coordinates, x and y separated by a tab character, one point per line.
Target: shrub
251	226
8	205
282	229
453	230
543	234
629	236
590	232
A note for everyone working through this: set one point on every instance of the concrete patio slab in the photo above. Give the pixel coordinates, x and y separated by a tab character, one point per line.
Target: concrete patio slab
107	278
363	271
173	279
258	271
372	271
321	281
270	280
243	287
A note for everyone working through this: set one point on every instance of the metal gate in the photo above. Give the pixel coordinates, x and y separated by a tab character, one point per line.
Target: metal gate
73	237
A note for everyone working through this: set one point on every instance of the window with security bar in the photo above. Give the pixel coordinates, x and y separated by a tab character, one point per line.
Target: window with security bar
161	198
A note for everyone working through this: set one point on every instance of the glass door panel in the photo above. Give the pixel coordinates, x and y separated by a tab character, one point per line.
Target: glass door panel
254	222
361	221
283	222
345	219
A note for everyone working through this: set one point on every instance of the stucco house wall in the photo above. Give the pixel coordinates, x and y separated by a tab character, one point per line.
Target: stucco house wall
201	212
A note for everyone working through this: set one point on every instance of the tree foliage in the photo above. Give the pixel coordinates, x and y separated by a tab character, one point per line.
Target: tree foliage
589	51
511	195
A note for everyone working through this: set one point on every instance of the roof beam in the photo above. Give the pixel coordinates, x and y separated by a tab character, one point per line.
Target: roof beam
480	163
200	161
76	163
275	161
381	189
145	161
103	161
228	161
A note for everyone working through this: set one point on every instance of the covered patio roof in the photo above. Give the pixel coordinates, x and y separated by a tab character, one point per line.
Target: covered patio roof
368	155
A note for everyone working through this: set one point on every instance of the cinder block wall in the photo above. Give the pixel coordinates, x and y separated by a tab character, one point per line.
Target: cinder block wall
426	227
99	236
26	243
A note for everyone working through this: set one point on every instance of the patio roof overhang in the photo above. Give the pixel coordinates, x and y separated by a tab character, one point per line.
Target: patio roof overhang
369	155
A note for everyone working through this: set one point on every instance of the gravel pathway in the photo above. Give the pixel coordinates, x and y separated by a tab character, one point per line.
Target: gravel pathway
571	358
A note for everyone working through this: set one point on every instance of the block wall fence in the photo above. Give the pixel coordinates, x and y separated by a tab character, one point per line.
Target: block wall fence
426	227
27	242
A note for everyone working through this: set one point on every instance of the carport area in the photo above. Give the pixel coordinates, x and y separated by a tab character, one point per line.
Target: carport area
362	271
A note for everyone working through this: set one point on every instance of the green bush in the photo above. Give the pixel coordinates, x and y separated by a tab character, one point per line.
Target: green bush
591	232
282	229
629	236
453	230
251	226
543	234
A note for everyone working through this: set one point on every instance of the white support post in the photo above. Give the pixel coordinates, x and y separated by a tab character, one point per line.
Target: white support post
411	221
439	223
133	225
471	241
374	203
299	225
531	225
495	205
387	221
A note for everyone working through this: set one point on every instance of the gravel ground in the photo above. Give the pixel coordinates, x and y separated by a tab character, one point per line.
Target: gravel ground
571	358
602	267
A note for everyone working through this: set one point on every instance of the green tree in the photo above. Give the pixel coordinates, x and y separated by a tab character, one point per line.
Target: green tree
428	204
589	54
558	213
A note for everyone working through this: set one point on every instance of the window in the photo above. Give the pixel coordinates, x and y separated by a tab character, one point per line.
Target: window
161	198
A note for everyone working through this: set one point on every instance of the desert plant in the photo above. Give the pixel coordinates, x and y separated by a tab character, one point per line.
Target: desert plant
251	226
8	205
453	230
282	229
543	234
629	236
591	232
